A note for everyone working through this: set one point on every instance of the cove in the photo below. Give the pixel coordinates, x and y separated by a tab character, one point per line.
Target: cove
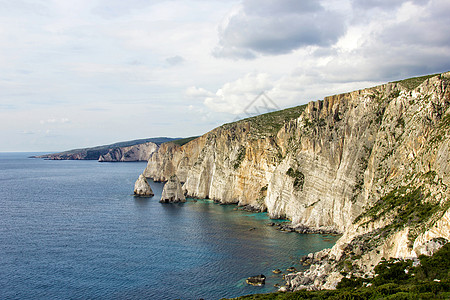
73	229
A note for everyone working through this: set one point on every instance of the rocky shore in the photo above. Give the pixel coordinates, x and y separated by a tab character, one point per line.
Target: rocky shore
288	227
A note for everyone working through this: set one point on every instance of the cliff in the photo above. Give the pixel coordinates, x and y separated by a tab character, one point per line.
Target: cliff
172	191
142	188
372	164
140	152
123	151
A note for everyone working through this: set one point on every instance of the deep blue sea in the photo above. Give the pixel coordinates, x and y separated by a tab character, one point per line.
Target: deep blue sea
73	230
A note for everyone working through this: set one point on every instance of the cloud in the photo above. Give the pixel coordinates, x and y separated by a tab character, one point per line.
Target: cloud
235	96
106	64
409	40
268	27
175	60
55	121
195	92
382	4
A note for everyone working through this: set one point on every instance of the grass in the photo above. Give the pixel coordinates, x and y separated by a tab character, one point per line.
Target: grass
413	83
269	124
184	141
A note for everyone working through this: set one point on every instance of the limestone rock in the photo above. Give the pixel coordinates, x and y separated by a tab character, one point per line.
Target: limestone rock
139	152
325	165
258	280
142	188
172	191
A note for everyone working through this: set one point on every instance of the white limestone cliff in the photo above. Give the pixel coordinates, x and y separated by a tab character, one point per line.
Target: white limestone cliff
139	152
172	191
346	163
142	187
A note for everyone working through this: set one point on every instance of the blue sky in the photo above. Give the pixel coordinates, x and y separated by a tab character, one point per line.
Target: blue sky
77	73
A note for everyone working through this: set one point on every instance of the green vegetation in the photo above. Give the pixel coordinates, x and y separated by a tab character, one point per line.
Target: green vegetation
299	178
239	158
413	83
181	142
395	279
408	208
269	124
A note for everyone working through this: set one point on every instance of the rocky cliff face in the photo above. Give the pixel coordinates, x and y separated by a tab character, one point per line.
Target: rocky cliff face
372	164
172	191
142	188
135	150
140	152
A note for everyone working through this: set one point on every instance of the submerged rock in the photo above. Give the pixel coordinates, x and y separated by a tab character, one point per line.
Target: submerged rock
291	269
172	191
142	188
257	280
277	271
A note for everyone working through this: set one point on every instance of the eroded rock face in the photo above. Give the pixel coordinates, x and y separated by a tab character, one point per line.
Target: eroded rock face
331	165
140	152
142	188
172	192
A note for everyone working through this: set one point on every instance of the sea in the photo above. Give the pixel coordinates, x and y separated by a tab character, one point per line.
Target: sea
74	230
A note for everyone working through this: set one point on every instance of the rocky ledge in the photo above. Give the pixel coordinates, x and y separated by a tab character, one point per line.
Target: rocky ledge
142	188
303	229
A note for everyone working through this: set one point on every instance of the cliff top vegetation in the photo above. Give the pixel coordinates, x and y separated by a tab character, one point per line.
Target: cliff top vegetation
270	123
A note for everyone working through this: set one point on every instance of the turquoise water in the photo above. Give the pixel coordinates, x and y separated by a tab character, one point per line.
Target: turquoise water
73	230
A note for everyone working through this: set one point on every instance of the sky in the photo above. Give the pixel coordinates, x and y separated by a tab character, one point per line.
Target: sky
79	73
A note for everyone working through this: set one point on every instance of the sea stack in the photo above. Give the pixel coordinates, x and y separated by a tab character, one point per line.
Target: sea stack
142	188
172	191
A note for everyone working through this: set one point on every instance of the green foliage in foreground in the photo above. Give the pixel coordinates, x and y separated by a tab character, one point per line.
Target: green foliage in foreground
391	282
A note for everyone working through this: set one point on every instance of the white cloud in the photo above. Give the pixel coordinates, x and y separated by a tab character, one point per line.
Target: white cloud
55	121
195	92
234	97
113	70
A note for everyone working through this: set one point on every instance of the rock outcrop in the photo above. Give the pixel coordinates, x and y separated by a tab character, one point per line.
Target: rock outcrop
372	164
258	280
140	152
172	191
142	188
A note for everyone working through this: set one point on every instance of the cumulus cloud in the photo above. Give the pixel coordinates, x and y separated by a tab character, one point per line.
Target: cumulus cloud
111	60
195	92
410	39
235	96
269	27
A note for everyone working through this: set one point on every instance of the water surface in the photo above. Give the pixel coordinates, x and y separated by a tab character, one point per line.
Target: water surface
73	230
